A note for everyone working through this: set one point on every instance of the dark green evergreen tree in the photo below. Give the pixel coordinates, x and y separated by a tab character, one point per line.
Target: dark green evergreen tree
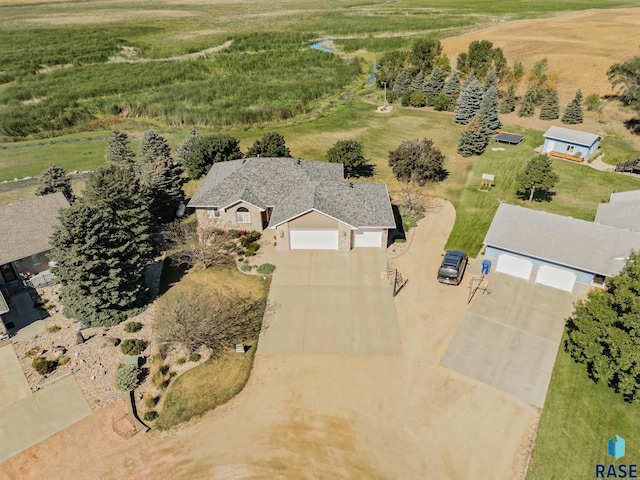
271	145
417	84
468	101
473	139
452	87
402	83
161	182
208	150
52	180
152	147
185	146
573	114
537	177
434	84
550	107
99	267
528	103
350	154
116	190
488	114
491	80
119	148
508	103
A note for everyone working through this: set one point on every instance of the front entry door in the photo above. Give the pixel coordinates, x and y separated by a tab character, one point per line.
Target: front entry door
8	273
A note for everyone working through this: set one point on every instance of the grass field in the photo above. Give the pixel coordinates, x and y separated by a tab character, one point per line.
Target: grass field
578	419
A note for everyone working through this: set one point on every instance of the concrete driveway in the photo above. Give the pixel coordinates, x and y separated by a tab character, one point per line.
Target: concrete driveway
326	302
510	337
27	418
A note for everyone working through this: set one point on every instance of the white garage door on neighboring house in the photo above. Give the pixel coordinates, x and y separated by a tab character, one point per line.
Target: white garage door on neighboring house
516	266
367	238
556	277
313	239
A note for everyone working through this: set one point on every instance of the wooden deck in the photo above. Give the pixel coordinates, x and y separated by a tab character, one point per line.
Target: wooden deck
566	156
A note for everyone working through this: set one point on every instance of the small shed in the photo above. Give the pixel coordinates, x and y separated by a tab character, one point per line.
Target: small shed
570	144
508	138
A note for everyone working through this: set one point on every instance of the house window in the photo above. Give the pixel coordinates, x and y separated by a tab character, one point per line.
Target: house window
569	148
213	213
243	215
35	260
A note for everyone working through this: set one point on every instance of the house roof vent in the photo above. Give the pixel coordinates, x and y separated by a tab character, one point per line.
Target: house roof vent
298	161
351	184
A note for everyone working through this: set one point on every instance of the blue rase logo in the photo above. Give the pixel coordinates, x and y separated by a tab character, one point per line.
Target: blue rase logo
615	447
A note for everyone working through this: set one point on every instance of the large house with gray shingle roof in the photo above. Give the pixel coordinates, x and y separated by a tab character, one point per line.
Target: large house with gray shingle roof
308	205
559	251
25	231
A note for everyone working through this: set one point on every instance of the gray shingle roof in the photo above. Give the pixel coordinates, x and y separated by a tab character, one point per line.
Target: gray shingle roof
633	195
572	136
25	227
624	215
564	240
294	186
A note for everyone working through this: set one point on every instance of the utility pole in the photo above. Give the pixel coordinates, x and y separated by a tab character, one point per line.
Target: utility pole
384	84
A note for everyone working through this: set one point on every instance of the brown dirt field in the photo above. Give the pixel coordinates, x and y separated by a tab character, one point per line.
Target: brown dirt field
580	46
328	416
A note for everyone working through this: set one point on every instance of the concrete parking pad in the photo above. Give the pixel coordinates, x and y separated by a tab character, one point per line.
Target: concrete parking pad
327	302
510	337
27	418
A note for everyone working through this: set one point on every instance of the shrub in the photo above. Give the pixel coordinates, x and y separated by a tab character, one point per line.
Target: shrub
132	327
158	380
195	357
44	366
63	360
32	351
252	249
418	99
150	416
119	318
249	238
266	268
42	303
245	267
127	377
181	360
54	329
150	400
133	346
400	240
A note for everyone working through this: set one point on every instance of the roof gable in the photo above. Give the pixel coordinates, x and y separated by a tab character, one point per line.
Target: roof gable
572	136
25	227
564	240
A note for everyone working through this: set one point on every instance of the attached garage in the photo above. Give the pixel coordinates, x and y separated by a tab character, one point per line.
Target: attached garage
313	239
367	237
556	277
516	266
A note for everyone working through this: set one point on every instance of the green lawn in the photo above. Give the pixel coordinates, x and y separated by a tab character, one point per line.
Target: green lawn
578	418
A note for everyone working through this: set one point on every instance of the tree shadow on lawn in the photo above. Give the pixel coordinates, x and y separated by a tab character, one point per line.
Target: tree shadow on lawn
538	195
171	274
633	125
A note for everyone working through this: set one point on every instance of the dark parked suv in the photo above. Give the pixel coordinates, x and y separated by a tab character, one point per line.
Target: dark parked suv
452	267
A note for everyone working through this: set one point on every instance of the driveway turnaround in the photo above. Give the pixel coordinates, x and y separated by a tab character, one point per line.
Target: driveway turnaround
27	418
327	302
510	337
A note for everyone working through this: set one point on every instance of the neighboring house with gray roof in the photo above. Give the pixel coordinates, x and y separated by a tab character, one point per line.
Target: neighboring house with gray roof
25	232
570	144
306	204
555	250
622	211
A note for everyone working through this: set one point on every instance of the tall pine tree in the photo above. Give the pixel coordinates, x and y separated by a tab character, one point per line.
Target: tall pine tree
508	103
488	114
417	84
452	87
52	180
491	79
528	103
468	101
101	271
117	191
573	114
152	147
119	148
185	146
402	83
434	84
473	140
161	182
551	106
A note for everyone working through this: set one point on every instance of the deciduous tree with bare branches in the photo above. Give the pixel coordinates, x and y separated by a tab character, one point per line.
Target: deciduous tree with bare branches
196	245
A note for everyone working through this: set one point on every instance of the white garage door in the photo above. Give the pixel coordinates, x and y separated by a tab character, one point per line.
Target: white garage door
314	239
556	277
367	238
516	266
